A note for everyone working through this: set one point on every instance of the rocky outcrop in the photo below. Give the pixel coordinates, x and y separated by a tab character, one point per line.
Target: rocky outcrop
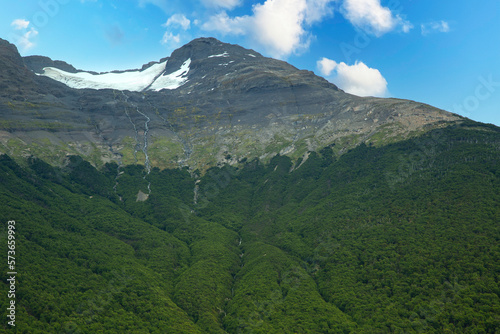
37	63
16	80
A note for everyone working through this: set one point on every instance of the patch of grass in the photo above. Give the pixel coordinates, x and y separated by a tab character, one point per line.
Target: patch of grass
301	147
346	142
381	137
127	151
163	152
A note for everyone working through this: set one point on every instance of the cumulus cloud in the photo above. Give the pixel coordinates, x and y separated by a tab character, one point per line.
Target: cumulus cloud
357	79
20	24
226	4
326	66
177	26
226	25
441	26
370	16
178	20
25	40
279	26
316	10
169	38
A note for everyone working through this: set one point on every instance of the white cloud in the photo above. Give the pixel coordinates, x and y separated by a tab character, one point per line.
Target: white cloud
25	41
279	26
406	26
177	25
318	9
169	38
326	66
357	79
226	4
226	25
178	20
20	24
441	26
370	16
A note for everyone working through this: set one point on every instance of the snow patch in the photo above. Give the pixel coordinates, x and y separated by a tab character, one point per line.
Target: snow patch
173	80
225	54
251	55
133	81
225	64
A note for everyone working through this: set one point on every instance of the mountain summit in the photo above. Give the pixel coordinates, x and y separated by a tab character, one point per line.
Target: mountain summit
209	103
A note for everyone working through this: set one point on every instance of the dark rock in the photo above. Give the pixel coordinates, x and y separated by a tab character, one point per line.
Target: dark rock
37	63
16	80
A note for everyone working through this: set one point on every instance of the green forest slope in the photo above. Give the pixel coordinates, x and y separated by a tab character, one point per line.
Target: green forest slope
402	238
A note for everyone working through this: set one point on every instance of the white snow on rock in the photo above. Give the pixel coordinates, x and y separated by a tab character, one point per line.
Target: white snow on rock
173	80
251	55
137	81
132	81
225	54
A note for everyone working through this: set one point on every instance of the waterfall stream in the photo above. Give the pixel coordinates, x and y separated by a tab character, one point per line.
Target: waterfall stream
144	146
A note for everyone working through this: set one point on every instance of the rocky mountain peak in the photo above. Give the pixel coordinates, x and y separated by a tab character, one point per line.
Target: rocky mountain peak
9	53
16	80
209	103
203	48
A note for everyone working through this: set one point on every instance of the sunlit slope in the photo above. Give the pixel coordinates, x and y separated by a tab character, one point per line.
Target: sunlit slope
399	238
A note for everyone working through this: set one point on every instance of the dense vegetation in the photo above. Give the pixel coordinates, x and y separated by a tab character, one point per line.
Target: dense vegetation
402	238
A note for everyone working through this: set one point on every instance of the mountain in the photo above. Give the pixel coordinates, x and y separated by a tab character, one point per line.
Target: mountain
402	238
207	104
219	191
15	78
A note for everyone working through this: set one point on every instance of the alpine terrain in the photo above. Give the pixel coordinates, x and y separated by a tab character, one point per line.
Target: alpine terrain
220	191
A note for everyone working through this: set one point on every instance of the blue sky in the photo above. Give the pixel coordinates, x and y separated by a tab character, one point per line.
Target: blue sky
444	53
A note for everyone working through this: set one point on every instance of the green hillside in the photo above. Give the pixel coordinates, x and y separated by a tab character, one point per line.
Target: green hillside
402	238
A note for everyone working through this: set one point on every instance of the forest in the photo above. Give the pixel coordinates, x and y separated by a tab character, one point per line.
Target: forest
399	238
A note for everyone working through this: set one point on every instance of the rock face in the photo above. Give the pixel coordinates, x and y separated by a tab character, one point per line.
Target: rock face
16	80
212	103
37	63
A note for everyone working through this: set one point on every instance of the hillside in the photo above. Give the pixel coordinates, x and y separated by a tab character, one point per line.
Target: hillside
208	104
402	238
220	191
